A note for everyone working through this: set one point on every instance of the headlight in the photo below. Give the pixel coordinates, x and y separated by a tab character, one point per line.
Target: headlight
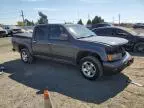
113	57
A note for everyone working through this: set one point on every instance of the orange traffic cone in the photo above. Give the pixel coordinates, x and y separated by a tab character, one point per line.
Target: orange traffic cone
47	101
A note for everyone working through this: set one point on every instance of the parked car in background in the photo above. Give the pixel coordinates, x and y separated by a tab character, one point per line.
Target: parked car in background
101	25
93	26
136	40
11	29
138	25
3	33
70	43
27	29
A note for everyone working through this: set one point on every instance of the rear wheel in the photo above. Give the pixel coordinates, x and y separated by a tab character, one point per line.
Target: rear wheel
91	68
26	57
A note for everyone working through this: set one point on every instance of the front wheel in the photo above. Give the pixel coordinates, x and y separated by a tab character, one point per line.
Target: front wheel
91	67
26	57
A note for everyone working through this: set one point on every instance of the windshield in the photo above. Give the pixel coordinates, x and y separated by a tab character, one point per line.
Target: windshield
132	32
80	31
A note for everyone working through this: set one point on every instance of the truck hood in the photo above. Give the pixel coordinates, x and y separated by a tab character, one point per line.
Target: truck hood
106	40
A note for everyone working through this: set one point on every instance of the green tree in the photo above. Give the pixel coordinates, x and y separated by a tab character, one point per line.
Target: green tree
97	20
80	22
20	23
29	23
89	22
43	18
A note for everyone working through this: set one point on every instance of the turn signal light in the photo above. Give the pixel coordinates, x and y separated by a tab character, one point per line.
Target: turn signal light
109	57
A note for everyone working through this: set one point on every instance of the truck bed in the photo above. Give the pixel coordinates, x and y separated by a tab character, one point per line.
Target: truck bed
23	35
22	39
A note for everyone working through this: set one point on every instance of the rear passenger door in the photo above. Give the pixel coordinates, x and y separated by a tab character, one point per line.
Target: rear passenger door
40	44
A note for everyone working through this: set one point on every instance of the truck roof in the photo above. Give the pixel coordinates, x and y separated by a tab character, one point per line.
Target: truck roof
55	24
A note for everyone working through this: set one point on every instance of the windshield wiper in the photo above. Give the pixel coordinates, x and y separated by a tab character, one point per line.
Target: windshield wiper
90	35
80	37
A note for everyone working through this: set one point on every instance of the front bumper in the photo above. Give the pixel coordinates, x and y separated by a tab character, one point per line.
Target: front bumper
117	66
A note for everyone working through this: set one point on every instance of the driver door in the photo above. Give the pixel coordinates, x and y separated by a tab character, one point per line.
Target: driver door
61	48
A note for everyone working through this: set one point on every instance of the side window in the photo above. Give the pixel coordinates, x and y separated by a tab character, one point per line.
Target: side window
108	32
56	31
104	32
98	32
7	27
41	33
120	32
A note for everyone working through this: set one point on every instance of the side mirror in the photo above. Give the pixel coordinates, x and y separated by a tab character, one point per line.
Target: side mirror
63	37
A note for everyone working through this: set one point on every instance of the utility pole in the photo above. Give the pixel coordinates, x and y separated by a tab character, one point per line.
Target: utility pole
119	18
22	16
113	20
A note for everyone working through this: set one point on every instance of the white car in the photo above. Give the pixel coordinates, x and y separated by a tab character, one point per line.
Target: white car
27	29
11	29
3	33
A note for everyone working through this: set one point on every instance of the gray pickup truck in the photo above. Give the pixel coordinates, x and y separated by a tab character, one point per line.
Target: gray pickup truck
71	43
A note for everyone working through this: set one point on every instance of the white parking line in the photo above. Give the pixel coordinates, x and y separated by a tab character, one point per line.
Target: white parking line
135	83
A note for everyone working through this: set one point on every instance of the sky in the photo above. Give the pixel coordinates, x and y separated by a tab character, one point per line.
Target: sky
60	11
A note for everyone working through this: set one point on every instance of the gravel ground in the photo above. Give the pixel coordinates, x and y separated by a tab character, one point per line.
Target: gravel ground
22	85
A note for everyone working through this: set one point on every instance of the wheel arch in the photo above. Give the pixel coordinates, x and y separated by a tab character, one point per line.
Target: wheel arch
20	47
83	54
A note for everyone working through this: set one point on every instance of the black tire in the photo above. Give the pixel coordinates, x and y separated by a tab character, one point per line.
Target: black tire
96	63
29	56
137	48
